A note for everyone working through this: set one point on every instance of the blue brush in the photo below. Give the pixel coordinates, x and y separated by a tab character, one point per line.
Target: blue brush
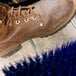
62	63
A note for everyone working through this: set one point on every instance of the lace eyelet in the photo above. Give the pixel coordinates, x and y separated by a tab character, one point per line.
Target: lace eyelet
33	18
41	24
0	21
17	22
10	24
26	20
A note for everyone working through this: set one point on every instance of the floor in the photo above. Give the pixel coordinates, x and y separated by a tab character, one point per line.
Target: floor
40	45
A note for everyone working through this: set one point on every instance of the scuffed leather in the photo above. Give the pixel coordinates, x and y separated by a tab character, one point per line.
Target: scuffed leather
12	36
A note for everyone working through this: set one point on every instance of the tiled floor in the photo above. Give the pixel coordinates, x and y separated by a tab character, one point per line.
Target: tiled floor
40	45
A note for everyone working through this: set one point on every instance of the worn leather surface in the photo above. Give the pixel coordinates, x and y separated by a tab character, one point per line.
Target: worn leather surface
53	19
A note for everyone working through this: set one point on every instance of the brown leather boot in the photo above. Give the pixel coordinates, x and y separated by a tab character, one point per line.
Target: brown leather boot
23	23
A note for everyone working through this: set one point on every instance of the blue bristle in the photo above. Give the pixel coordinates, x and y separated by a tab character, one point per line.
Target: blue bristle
62	63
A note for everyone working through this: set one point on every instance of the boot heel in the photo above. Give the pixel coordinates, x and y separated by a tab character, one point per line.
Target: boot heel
12	51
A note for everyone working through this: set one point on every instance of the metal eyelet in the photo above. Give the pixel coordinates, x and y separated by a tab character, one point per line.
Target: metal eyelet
0	21
10	24
26	20
33	18
41	24
17	22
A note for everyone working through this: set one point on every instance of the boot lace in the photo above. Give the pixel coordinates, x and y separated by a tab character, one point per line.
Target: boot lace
27	14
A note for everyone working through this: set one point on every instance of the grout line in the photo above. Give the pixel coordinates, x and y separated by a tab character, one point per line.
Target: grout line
35	47
74	25
73	22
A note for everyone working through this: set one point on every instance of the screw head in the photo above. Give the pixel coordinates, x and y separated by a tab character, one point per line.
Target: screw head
41	24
